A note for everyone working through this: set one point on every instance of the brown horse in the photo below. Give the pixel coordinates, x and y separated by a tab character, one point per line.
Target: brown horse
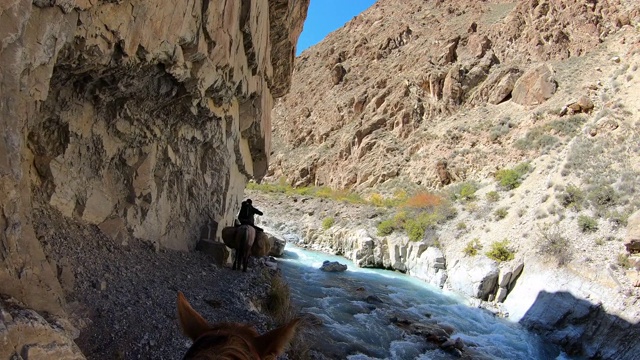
245	236
261	246
228	341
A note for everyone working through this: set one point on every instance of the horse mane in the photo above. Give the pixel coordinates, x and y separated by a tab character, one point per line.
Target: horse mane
230	341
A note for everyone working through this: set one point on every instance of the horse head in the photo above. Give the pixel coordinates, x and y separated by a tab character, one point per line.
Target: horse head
226	341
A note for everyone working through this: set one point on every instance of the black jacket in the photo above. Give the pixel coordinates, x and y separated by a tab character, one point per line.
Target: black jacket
246	213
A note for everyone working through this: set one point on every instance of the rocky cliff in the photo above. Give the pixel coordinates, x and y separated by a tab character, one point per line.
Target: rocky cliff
405	86
143	118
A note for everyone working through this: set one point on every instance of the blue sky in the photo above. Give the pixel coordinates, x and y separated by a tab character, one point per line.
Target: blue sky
325	16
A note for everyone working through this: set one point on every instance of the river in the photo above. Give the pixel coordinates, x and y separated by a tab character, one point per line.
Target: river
357	328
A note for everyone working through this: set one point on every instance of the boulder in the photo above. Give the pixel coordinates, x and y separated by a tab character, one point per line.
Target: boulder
429	266
333	266
582	105
217	250
535	86
496	87
501	294
337	74
277	245
504	278
475	277
25	334
632	242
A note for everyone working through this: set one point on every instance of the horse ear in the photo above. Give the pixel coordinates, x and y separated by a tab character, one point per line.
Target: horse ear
273	343
193	324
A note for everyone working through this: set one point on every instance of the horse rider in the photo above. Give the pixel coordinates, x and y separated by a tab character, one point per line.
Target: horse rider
245	216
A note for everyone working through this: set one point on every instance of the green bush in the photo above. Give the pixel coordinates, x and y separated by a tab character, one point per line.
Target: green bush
461	226
510	179
327	222
472	247
501	213
493	196
587	223
415	230
572	197
464	191
467	192
416	227
386	227
500	251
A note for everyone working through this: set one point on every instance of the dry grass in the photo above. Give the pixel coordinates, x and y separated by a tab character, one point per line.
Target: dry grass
278	305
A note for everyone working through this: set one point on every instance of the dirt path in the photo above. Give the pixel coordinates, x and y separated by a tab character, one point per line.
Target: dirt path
122	298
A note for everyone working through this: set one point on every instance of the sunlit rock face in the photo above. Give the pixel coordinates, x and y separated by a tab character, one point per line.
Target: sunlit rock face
145	118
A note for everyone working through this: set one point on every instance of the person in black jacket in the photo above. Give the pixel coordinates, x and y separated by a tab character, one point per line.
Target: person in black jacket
247	211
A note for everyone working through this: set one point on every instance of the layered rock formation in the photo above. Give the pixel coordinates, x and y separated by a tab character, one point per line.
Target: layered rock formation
144	118
385	96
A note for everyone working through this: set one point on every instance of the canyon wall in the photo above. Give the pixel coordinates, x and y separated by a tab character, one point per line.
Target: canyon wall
145	118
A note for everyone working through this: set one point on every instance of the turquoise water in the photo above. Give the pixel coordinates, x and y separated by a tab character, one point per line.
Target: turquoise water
357	330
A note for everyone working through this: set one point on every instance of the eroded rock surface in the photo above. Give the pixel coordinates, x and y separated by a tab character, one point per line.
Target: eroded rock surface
143	118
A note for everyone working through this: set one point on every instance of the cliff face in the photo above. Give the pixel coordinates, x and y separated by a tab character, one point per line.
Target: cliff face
145	118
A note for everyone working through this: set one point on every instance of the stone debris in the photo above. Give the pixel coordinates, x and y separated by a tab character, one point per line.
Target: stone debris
333	266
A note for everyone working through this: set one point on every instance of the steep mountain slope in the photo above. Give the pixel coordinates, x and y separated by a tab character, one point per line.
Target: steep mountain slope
406	84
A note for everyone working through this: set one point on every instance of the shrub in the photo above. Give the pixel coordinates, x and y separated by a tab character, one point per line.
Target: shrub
501	213
618	219
523	169
568	126
415	230
386	227
416	227
623	261
472	247
468	191
500	251
461	226
278	300
572	197
327	222
602	196
587	224
510	179
423	200
464	191
556	245
377	200
493	196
